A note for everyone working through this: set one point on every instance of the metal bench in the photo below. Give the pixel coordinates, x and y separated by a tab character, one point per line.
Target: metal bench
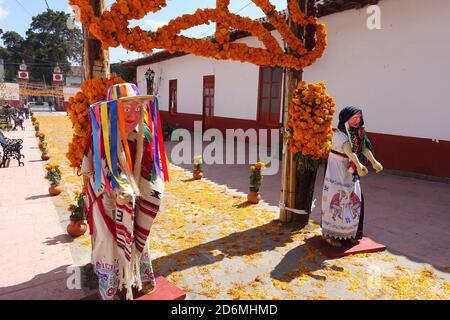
11	149
18	122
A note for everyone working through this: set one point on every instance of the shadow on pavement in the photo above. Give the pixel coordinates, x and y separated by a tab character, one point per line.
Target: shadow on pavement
38	197
267	237
298	261
62	238
52	285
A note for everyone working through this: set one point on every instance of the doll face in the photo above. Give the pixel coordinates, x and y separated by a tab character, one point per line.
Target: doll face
132	112
355	120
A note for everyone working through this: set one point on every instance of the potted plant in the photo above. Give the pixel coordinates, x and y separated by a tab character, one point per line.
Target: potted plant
255	183
44	150
41	136
77	226
54	177
36	128
198	172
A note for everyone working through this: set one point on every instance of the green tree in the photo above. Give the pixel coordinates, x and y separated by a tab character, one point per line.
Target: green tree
125	73
11	53
48	41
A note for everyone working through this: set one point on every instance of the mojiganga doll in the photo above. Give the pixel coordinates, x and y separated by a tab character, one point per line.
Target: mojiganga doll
125	169
342	199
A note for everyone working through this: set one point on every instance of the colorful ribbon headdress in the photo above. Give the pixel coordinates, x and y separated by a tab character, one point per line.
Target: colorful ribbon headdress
108	130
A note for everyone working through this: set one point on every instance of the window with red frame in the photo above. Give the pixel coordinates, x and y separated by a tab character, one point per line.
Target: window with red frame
269	101
173	96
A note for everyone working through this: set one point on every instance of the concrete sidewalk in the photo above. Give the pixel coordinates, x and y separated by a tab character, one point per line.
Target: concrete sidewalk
408	215
34	250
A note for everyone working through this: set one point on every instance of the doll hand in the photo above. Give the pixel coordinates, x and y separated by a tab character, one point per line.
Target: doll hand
123	198
377	167
362	171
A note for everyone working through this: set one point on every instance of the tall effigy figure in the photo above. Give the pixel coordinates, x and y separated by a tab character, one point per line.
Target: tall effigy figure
126	166
342	199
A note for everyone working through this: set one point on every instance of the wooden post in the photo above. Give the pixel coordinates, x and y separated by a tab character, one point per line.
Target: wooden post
95	58
288	167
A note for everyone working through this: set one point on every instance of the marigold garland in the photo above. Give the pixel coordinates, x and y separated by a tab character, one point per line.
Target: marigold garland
91	91
311	114
112	29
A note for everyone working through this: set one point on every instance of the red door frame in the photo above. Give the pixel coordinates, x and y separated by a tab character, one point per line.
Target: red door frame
173	92
269	118
208	93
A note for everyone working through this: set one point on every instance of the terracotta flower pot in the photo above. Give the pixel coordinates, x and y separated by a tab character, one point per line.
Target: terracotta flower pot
54	190
45	156
253	197
76	228
198	175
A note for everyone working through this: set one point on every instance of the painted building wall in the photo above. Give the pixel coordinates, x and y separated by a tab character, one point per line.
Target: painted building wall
9	91
236	83
399	75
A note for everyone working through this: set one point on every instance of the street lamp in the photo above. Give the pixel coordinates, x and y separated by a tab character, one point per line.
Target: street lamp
150	77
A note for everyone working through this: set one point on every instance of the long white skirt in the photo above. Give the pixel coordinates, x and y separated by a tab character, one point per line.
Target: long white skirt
341	200
105	254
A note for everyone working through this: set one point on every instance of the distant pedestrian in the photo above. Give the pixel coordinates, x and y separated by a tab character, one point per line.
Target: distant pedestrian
50	103
26	110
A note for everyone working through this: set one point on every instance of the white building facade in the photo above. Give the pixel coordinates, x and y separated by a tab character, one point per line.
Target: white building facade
399	75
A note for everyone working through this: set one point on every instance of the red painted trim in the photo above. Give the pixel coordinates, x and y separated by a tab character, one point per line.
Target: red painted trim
186	120
407	154
411	154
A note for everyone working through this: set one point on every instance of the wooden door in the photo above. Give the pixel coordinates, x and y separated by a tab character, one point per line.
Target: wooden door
208	101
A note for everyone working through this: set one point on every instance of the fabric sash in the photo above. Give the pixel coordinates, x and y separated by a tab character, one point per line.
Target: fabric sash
96	145
123	134
105	132
114	136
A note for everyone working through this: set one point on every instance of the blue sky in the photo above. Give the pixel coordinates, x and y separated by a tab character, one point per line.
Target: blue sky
15	15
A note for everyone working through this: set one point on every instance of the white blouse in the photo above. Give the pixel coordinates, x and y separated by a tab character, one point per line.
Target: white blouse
339	140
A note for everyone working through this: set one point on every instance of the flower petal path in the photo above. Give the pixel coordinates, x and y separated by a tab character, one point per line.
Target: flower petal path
212	244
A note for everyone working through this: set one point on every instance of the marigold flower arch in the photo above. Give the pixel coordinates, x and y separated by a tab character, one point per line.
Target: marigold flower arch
111	28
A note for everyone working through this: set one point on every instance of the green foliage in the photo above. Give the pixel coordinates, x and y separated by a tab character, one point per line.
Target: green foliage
256	179
305	163
198	162
53	176
48	41
125	73
77	208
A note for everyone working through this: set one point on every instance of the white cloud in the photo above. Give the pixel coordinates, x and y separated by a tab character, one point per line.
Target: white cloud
4	12
154	24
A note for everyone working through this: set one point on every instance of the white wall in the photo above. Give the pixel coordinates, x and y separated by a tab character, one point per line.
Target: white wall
9	91
70	92
236	83
399	75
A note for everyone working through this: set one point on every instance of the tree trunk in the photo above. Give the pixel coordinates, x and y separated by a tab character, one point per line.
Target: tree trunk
304	196
289	183
95	58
